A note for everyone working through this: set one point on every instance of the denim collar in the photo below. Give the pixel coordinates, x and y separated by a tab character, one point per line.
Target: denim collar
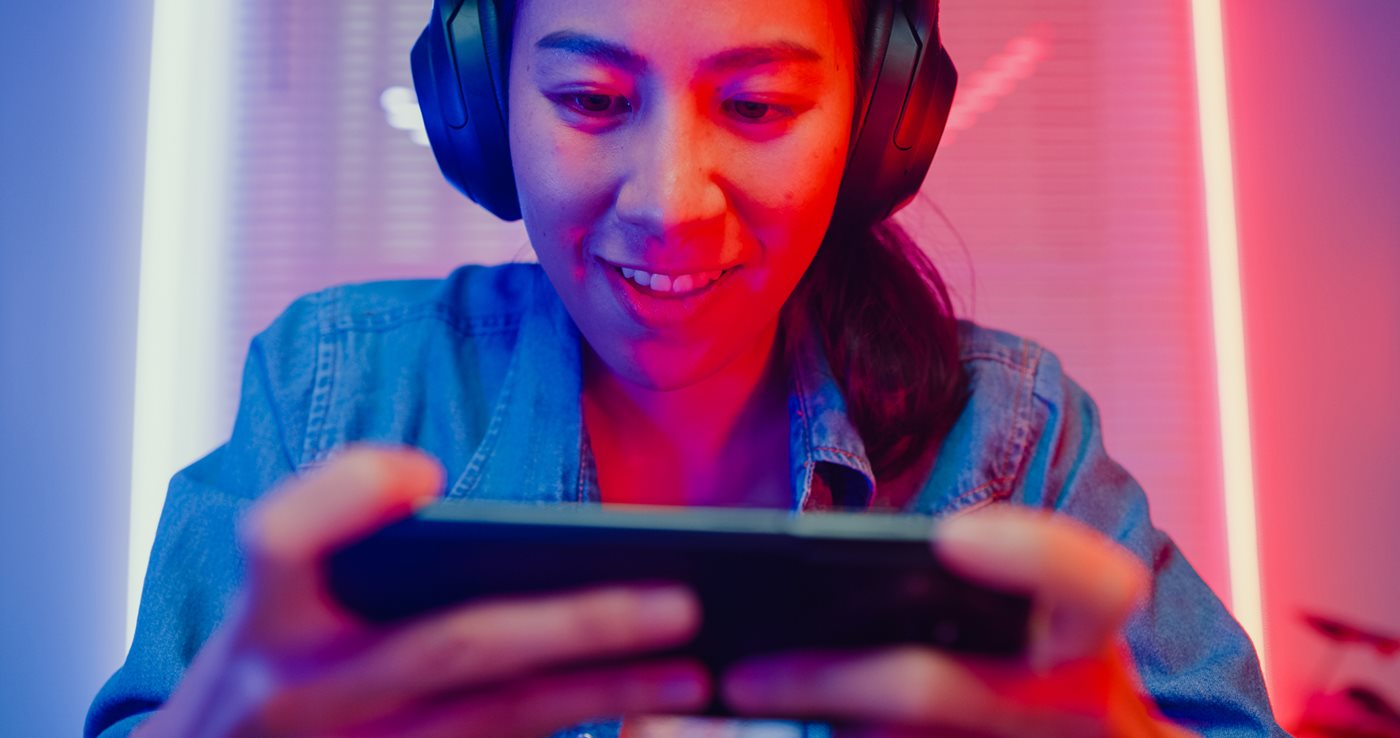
534	450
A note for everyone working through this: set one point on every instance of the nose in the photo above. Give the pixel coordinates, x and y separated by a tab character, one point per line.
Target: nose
672	187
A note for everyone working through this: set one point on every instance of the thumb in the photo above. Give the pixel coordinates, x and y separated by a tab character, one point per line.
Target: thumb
1082	584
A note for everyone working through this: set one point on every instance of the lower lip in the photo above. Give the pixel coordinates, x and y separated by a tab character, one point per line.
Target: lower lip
655	309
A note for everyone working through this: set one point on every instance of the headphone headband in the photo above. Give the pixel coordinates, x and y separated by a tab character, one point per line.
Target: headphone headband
460	70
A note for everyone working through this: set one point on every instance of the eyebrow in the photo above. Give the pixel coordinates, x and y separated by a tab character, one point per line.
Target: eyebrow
617	55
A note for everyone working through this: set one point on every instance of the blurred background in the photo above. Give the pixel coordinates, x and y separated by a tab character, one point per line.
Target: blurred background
1191	202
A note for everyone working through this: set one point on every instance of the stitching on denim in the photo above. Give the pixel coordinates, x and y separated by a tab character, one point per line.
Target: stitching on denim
258	353
322	383
968	504
1012	451
470	478
463	325
587	466
1016	452
861	464
854	458
809	468
991	489
995	358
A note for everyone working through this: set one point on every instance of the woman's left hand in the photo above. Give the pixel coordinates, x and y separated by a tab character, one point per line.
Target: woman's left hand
1076	679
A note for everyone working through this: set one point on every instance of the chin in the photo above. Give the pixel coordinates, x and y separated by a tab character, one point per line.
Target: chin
659	366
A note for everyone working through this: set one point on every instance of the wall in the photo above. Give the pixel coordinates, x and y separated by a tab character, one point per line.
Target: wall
1316	111
72	136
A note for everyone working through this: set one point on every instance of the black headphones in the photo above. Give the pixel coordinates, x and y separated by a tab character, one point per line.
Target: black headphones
460	63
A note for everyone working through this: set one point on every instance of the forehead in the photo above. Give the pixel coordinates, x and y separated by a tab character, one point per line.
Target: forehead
681	30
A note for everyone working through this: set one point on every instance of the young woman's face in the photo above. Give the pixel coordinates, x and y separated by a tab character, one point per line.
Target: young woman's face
693	146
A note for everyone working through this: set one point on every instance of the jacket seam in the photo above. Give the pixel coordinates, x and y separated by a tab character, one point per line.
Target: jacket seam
997	358
808	467
384	320
260	353
323	384
993	489
1025	400
470	477
855	459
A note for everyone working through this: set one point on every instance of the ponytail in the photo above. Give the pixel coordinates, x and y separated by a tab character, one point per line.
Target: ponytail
884	319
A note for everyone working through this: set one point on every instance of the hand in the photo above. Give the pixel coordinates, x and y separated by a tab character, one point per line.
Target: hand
287	662
1076	679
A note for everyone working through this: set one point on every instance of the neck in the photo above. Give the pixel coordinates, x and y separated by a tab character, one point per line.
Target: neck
700	444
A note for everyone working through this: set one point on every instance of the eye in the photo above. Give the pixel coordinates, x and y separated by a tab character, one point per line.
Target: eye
753	111
595	104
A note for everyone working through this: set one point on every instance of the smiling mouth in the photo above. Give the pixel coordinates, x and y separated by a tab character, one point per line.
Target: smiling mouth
671	285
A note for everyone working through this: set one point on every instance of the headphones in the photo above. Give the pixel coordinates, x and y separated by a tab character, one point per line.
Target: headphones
461	59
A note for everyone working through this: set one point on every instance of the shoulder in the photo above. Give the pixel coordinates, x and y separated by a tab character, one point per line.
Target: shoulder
1031	435
997	360
1019	404
472	299
393	360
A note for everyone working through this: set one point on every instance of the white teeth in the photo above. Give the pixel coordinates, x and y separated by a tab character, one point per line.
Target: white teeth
677	284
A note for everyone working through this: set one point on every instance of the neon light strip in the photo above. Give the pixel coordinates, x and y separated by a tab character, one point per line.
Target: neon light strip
997	79
181	254
1228	315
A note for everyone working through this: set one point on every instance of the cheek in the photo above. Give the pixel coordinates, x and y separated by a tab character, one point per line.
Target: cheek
789	212
564	182
793	180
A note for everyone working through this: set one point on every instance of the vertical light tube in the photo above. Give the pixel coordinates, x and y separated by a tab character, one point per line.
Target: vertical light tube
182	232
1227	312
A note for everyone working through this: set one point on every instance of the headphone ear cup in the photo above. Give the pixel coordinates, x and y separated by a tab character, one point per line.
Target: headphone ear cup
909	81
459	75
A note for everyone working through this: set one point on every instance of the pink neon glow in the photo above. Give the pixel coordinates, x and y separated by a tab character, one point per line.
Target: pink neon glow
1228	321
997	79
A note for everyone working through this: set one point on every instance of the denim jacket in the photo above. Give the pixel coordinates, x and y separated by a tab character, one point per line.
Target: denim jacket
482	370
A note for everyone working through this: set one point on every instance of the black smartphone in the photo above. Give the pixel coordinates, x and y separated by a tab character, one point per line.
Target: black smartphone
768	581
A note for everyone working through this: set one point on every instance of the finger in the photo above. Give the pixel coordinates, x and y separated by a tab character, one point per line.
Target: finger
886	731
487	643
911	689
1083	584
287	533
359	490
857	687
546	704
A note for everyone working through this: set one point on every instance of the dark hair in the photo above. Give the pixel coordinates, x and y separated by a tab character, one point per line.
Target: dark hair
885	320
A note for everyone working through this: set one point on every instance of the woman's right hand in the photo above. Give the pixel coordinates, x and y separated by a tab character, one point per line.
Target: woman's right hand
287	662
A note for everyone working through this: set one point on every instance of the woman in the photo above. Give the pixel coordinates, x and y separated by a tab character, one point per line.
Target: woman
713	322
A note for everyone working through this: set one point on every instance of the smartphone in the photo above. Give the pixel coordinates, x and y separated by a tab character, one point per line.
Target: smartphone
768	581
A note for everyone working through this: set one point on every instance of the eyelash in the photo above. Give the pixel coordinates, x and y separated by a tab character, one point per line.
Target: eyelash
573	101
